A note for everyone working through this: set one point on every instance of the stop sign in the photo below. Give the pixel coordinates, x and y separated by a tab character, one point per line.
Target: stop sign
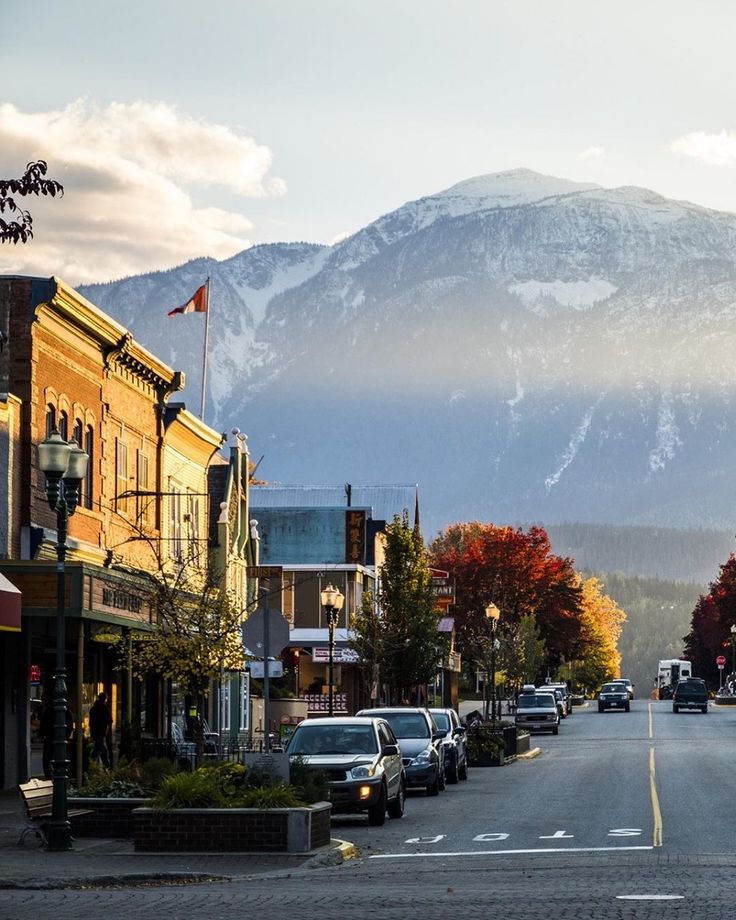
720	661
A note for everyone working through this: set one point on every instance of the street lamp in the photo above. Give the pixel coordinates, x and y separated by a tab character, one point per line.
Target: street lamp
492	614
65	466
332	600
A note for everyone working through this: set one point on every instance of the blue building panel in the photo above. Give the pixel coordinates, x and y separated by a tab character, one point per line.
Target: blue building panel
302	536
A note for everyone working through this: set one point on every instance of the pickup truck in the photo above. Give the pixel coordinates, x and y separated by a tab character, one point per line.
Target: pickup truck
690	694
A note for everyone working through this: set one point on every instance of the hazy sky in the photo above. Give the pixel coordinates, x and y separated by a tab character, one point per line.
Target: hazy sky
184	128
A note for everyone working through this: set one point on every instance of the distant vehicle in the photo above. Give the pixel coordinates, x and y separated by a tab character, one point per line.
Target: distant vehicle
362	762
627	683
613	696
538	712
561	706
566	695
690	694
669	672
420	743
454	744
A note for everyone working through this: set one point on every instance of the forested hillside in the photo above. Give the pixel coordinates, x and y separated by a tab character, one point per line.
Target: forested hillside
648	552
658	617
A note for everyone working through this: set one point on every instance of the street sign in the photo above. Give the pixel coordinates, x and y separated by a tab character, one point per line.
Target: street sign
321	654
721	661
264	571
258	669
278	633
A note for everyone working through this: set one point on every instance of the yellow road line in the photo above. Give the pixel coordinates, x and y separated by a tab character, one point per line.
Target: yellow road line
657	836
651	726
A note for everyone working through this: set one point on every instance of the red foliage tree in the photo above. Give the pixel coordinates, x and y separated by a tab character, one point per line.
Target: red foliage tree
710	624
517	571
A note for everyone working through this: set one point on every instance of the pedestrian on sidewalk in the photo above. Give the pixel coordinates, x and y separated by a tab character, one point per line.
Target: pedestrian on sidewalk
100	723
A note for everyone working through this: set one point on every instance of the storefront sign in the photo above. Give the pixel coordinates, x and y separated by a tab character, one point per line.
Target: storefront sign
355	537
321	655
121	600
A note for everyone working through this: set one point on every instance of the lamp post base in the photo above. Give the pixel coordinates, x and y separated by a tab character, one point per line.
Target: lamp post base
59	836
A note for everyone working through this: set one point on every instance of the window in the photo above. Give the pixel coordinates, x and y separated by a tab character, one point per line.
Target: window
225	706
244	707
144	502
175	524
121	468
77	434
64	425
50	420
89	478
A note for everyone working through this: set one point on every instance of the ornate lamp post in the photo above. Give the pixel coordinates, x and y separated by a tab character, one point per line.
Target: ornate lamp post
64	465
492	615
332	600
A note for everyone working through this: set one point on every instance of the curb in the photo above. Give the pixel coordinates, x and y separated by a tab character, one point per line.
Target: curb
130	879
530	755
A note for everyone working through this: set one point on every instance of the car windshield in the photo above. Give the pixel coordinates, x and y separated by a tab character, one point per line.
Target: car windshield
611	688
407	724
534	700
334	739
442	720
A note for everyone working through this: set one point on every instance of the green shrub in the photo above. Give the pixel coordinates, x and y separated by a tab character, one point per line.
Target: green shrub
311	785
201	789
484	738
278	796
155	771
122	781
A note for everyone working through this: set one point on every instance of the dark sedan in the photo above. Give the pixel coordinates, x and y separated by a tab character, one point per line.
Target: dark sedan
613	696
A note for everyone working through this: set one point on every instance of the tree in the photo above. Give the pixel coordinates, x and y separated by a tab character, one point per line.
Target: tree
20	228
711	621
516	571
523	653
602	620
402	636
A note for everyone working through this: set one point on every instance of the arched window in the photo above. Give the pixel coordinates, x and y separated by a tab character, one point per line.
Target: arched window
78	433
50	419
89	447
64	425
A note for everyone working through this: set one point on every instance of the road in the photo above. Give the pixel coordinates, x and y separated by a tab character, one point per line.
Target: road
619	807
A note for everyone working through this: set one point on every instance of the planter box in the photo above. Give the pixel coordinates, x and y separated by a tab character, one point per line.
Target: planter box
232	830
486	760
523	743
108	817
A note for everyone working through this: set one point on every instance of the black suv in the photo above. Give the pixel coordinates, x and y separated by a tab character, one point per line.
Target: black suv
690	694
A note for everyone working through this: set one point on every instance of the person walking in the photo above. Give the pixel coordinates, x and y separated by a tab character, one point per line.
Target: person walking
100	722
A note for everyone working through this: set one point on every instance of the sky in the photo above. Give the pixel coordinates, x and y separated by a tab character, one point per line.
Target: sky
182	129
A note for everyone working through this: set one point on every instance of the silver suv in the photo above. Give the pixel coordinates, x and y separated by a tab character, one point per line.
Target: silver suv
538	712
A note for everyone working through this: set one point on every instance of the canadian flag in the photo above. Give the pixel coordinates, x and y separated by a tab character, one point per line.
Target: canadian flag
196	304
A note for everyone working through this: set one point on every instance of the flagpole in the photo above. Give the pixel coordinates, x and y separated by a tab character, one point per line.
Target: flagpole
206	337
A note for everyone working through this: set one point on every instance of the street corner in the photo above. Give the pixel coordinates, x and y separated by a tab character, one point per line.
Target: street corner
338	852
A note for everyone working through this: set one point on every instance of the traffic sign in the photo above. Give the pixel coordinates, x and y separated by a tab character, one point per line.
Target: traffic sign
278	633
720	661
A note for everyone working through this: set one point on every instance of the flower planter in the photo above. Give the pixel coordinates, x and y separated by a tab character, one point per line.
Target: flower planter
485	760
105	818
232	830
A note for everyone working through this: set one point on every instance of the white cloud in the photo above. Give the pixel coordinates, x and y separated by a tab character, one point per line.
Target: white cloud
129	172
592	153
719	149
339	237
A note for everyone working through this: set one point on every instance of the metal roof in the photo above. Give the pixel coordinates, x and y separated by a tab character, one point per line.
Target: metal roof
384	501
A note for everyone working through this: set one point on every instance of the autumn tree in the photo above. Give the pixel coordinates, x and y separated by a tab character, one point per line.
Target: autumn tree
711	622
401	636
523	653
19	228
517	571
601	624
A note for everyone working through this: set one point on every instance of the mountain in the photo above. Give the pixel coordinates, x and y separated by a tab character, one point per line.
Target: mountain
524	347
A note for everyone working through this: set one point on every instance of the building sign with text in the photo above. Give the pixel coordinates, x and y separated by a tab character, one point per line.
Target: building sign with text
355	537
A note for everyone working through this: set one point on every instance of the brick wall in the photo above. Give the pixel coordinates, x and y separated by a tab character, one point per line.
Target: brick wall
320	831
106	818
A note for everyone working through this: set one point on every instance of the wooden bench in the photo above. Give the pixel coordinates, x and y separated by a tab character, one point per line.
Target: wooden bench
38	795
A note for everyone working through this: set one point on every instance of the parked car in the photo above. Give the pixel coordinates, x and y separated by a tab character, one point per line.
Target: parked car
613	696
565	693
454	744
690	694
538	711
419	740
362	761
627	683
559	699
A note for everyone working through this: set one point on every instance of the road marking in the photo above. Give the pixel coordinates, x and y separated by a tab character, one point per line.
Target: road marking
650	897
657	834
625	832
556	836
426	839
509	852
490	838
651	725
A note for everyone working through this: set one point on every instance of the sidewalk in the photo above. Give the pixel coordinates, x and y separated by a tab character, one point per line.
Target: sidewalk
95	861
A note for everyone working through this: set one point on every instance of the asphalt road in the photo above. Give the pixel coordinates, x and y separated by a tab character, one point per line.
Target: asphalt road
623	815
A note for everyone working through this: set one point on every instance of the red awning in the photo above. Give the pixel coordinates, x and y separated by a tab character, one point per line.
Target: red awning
10	599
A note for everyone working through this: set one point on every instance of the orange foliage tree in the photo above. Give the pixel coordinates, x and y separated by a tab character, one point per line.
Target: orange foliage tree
601	624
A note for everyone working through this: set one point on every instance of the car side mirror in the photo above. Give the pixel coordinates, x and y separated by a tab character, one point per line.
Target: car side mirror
460	730
389	750
438	736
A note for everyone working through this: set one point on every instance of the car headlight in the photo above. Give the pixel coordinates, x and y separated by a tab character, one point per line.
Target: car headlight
362	772
422	757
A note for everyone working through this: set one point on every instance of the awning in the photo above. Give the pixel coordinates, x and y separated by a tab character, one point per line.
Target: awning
10	602
308	637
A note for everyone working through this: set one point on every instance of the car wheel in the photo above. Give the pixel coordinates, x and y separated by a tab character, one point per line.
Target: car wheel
377	812
675	708
600	708
434	788
396	808
556	730
452	774
462	770
705	710
627	708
